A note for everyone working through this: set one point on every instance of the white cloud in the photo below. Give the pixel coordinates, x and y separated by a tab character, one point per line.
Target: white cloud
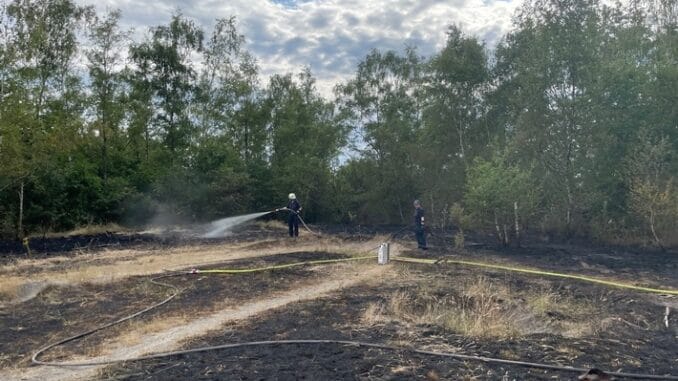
329	36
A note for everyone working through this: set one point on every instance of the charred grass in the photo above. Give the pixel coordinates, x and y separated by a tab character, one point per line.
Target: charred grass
443	308
58	312
18	280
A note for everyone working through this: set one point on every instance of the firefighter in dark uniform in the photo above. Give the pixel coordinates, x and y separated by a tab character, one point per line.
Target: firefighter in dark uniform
293	220
419	227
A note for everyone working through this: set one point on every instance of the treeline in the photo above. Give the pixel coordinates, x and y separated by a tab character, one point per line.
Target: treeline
569	126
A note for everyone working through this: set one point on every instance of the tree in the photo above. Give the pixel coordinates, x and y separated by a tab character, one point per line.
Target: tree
163	66
653	195
549	64
229	102
382	103
306	135
501	195
453	129
42	100
105	60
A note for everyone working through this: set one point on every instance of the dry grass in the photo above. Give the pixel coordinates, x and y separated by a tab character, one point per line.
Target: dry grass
480	307
126	263
477	312
542	302
573	317
482	311
86	230
272	225
374	314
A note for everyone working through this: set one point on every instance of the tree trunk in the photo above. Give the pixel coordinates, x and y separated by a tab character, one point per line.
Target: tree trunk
147	138
568	216
515	211
20	228
460	129
433	210
496	225
400	211
104	154
654	232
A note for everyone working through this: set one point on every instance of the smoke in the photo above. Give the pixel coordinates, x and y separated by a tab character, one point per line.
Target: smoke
222	227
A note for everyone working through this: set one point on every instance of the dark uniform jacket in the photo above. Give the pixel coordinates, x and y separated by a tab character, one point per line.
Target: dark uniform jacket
419	218
294	205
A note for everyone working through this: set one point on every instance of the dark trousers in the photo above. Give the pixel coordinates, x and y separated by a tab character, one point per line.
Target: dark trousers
421	236
293	223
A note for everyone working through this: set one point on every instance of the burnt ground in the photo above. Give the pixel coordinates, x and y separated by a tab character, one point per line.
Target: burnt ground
647	267
620	346
633	338
71	246
57	312
642	265
627	263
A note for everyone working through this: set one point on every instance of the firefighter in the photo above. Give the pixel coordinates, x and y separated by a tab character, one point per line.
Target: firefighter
419	226
293	220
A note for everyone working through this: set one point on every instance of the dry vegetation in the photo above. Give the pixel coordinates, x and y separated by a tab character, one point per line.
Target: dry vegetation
481	306
114	265
477	306
91	229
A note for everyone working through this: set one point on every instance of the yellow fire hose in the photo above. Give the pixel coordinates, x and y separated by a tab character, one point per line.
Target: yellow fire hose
276	267
37	354
458	262
540	272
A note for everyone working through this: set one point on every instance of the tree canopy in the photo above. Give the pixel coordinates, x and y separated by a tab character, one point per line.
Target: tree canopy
568	126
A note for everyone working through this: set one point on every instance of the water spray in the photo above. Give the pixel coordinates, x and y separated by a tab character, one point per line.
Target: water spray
222	227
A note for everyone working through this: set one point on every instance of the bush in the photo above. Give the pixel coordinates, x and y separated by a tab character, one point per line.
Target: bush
500	195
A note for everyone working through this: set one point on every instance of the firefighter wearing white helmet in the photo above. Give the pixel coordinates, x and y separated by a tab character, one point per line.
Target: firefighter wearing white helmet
293	221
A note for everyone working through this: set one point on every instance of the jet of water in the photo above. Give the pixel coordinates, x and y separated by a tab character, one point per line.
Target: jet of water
220	228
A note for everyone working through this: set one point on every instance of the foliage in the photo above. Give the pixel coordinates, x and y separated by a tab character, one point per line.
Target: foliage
571	118
495	189
653	194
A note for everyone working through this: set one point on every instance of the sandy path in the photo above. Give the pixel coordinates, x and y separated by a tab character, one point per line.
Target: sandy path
171	339
126	263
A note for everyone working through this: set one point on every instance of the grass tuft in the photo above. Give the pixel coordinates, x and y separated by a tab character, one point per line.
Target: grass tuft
481	307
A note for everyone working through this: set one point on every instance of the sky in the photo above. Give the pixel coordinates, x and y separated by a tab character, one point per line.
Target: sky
329	36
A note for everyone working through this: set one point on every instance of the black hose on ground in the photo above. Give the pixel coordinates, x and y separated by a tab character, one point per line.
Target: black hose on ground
154	280
370	345
34	358
176	290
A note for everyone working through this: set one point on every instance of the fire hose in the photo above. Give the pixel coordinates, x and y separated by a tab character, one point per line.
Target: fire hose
300	219
176	291
541	272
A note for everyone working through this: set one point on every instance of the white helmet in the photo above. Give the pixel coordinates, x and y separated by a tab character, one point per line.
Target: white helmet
292	196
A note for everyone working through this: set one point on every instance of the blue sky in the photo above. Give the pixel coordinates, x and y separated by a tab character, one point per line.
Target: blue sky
329	36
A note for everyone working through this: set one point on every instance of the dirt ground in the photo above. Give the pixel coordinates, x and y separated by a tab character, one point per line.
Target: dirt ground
444	307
